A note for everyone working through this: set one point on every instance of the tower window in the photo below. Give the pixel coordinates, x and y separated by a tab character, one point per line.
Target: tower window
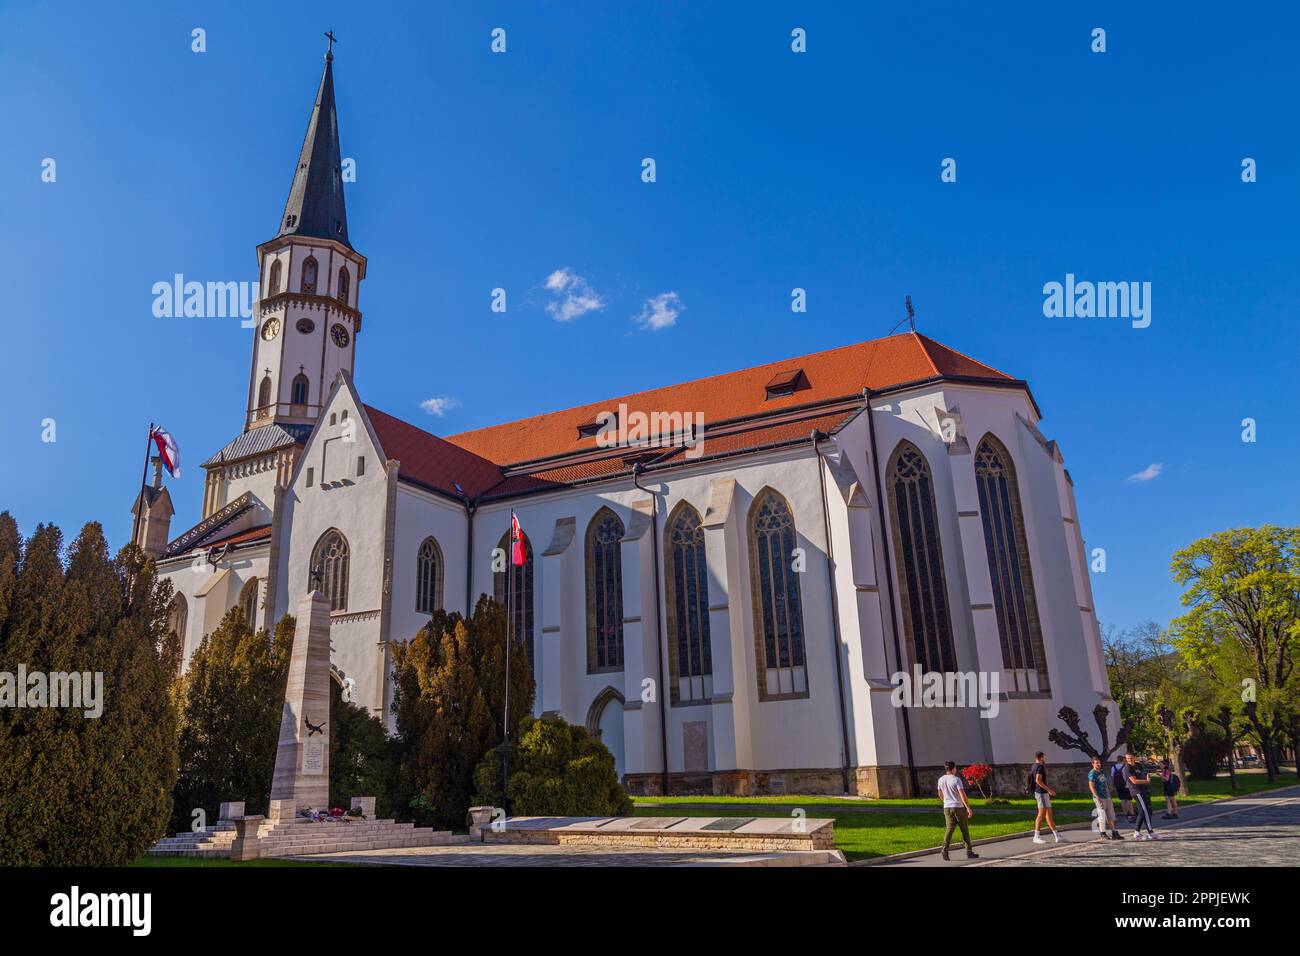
273	284
309	269
343	286
361	465
263	396
300	390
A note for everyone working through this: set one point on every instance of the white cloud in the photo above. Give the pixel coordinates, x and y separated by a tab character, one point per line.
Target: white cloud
1146	474
660	311
439	406
574	296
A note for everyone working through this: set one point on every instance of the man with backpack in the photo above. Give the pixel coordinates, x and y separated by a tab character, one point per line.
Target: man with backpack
1042	793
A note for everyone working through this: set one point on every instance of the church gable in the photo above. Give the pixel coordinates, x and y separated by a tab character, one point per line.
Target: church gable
343	448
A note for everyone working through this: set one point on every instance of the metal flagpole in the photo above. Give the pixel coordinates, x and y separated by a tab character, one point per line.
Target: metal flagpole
505	720
144	480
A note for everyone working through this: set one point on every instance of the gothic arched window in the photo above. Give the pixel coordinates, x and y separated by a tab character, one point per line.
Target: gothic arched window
273	284
300	389
690	657
778	608
309	268
343	285
264	394
604	558
921	582
428	577
248	603
329	569
178	616
1009	571
521	593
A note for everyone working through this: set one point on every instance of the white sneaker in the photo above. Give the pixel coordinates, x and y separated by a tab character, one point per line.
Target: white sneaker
1137	834
1038	839
1056	837
1154	836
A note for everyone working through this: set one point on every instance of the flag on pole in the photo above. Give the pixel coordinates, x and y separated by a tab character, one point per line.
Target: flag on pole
517	555
168	450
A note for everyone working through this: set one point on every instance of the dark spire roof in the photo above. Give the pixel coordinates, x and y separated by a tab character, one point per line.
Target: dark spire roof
315	207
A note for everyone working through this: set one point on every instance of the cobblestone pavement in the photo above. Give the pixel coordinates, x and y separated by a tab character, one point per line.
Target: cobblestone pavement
497	854
1263	832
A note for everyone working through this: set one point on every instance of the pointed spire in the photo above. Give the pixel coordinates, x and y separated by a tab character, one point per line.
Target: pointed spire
315	207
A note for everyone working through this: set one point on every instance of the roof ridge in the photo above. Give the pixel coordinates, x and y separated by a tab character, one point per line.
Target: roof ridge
927	341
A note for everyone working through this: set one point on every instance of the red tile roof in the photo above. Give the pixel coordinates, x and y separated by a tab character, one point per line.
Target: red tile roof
243	537
430	460
836	373
547	451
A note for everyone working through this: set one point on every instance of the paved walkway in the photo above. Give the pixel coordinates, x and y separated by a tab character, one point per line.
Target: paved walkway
1259	830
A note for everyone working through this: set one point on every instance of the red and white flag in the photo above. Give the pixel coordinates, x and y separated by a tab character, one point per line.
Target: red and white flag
517	555
168	450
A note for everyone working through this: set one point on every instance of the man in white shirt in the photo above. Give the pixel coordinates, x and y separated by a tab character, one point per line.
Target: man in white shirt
956	809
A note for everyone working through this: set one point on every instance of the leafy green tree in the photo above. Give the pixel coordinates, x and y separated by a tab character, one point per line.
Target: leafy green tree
1242	626
557	769
363	758
449	702
79	788
230	699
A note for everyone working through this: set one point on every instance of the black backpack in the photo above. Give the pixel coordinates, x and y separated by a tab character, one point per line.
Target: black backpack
1031	786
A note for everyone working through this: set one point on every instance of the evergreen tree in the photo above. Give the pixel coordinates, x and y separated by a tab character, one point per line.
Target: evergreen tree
231	699
450	707
363	758
557	769
87	784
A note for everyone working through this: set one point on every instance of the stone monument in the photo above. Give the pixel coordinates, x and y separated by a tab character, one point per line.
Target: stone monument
302	759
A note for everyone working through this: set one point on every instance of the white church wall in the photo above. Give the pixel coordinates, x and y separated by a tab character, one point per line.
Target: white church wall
327	492
767	735
421	514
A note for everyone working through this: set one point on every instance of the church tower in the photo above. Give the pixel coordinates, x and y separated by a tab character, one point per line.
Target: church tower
308	316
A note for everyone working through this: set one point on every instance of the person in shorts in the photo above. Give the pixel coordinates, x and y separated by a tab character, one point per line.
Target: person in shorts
1119	778
1098	786
1042	798
1172	785
956	809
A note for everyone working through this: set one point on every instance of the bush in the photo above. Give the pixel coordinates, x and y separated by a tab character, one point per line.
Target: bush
557	769
79	790
1202	755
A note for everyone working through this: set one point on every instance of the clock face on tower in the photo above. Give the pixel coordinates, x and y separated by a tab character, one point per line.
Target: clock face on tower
340	335
271	329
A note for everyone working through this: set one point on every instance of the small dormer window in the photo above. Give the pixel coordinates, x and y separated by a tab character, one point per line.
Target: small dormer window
598	424
786	383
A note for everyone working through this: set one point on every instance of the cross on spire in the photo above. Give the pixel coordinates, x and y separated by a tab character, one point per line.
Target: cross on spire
333	40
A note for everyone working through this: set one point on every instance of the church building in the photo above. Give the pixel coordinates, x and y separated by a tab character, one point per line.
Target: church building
726	602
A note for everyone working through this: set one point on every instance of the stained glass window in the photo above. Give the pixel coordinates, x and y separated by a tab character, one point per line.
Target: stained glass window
604	558
778	608
690	658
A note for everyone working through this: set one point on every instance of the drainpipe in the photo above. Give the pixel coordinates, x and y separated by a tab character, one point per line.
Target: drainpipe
815	437
659	643
889	583
470	508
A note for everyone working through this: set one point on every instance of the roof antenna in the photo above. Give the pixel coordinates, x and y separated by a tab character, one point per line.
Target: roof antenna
911	312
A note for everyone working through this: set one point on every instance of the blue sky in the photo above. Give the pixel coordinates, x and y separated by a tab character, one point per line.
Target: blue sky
774	170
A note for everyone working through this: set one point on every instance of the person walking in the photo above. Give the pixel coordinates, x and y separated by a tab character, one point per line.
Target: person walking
1172	786
1105	805
1042	798
1140	783
956	809
1119	780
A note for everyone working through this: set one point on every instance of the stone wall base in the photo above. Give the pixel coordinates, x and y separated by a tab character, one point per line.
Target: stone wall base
876	782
